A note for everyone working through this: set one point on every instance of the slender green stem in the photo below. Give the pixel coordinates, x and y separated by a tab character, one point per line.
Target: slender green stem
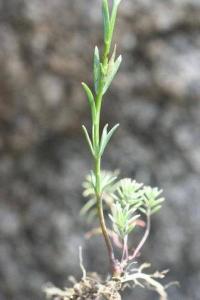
97	164
104	72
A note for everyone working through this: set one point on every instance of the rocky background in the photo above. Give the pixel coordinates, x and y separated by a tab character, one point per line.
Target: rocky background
45	52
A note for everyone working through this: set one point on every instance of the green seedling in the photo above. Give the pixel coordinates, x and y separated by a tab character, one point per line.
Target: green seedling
124	204
129	202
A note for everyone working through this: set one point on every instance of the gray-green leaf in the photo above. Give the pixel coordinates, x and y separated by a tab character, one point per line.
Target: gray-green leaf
143	210
91	203
113	16
90	98
106	136
111	74
88	140
156	209
106	20
97	69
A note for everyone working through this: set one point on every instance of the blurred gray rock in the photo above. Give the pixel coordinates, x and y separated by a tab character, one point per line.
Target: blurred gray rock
45	52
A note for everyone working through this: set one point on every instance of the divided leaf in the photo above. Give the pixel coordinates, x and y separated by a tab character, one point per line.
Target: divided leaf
129	192
123	219
151	200
108	183
108	179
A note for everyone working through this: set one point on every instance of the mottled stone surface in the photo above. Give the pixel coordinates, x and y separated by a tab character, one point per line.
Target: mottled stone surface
45	52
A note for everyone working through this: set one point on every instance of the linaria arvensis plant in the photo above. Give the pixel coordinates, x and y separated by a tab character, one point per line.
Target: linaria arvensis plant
128	199
127	203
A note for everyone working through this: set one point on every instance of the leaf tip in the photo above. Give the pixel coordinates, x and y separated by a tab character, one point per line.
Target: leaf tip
120	58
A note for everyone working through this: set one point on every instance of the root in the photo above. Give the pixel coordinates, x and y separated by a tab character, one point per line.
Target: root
90	288
138	278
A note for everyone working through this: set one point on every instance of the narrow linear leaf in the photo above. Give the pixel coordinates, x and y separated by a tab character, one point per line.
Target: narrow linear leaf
111	62
110	134
87	206
109	183
157	202
113	16
156	209
88	191
90	98
103	136
106	137
133	219
93	132
88	140
97	69
91	215
112	59
111	218
117	2
106	20
143	210
93	179
112	73
131	227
